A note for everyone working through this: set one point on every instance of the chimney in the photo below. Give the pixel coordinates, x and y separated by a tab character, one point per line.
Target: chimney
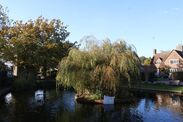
179	47
154	51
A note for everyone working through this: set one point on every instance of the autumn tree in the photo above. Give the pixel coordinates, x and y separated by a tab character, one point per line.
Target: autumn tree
4	22
145	61
35	44
4	19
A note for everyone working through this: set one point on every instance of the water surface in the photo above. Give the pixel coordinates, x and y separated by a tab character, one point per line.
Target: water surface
60	106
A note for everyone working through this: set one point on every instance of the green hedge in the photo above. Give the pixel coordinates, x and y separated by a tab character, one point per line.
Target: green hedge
25	81
177	76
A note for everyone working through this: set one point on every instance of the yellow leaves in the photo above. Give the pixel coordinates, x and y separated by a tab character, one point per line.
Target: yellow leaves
100	67
50	45
37	42
109	78
147	61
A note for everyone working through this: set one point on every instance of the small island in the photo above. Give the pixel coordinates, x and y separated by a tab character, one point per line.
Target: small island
99	71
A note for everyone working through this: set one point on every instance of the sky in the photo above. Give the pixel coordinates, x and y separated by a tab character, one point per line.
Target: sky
146	24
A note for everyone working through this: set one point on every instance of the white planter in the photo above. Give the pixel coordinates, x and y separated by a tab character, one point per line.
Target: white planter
108	99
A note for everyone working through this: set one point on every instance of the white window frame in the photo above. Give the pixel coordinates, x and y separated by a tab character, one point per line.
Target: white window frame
174	61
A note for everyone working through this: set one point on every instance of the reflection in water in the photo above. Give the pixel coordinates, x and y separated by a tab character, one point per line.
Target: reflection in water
39	97
131	115
52	106
176	101
108	108
9	98
173	102
159	98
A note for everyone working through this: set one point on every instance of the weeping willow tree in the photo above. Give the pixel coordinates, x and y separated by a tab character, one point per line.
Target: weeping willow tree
102	67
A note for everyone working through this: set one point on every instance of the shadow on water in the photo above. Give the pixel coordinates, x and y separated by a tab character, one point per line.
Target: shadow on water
60	106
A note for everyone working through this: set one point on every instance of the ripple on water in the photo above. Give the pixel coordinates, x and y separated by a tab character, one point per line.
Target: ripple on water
9	98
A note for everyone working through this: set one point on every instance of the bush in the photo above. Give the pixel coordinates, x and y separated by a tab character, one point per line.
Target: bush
177	76
3	74
24	82
3	78
94	96
152	76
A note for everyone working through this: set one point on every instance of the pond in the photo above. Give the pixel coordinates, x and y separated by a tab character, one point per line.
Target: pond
60	106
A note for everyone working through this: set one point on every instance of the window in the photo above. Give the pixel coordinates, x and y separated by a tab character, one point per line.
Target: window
174	61
158	62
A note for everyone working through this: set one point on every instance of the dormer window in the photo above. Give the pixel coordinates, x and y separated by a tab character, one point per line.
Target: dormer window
174	61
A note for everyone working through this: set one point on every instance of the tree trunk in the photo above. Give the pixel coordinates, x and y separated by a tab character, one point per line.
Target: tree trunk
44	70
15	70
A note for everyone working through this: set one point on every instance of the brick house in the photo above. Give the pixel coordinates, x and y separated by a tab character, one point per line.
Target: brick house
171	60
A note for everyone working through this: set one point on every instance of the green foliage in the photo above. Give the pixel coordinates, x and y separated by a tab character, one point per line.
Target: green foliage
102	68
4	19
157	87
3	75
24	82
142	58
177	76
2	66
96	96
145	61
39	43
4	22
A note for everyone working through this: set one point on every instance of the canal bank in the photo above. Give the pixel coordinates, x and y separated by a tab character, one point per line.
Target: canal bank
157	87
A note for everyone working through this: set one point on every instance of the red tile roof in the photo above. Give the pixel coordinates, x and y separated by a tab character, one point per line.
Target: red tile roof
162	56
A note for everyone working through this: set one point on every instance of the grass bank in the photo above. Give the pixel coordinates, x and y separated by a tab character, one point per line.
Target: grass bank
157	87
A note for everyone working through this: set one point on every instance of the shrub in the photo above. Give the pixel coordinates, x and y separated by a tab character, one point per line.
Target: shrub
3	74
177	76
25	81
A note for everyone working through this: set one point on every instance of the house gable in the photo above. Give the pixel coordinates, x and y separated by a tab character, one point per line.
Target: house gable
158	59
158	62
174	59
